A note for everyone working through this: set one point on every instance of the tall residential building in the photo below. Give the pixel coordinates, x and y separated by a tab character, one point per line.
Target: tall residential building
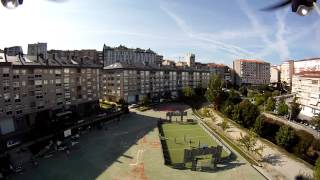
38	49
251	72
274	74
287	70
306	86
13	51
88	54
35	90
190	59
126	55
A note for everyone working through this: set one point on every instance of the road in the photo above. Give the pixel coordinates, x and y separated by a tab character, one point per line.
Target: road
295	125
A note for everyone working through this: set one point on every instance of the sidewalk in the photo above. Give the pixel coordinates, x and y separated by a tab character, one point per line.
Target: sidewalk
276	163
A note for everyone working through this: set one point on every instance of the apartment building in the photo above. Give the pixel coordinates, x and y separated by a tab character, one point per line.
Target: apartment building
133	82
251	72
35	89
274	74
126	55
92	55
306	87
13	51
222	70
38	49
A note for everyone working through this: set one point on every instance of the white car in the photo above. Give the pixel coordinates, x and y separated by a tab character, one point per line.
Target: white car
133	106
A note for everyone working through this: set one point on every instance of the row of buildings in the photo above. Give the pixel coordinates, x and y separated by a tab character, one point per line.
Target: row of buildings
41	86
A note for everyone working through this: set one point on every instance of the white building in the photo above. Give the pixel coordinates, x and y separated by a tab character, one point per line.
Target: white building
306	86
274	74
251	72
38	49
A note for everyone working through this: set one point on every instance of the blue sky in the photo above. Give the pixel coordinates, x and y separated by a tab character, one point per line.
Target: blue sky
216	31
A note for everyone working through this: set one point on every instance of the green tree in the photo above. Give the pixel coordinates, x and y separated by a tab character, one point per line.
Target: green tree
145	101
259	99
188	92
228	108
295	109
243	90
285	137
282	108
276	93
249	113
224	125
316	170
214	91
258	125
271	104
249	142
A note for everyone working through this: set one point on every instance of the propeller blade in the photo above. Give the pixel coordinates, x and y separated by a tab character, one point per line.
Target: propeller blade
276	6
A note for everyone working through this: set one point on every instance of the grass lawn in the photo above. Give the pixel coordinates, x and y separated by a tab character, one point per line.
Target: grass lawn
175	134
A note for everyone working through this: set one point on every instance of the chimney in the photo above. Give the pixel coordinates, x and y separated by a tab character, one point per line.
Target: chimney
5	54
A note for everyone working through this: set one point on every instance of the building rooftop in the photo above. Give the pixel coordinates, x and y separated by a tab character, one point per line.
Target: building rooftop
310	74
308	59
251	60
121	47
213	65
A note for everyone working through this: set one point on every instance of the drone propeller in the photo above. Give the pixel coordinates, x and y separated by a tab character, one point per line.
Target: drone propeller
301	7
277	6
11	4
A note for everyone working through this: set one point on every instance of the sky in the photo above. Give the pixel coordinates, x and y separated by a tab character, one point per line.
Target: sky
216	31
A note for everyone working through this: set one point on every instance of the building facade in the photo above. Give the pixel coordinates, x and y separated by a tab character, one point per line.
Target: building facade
35	90
190	59
306	87
126	55
14	51
274	74
251	72
134	82
37	49
222	70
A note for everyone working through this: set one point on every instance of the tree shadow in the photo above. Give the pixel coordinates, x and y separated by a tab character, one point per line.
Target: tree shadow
273	159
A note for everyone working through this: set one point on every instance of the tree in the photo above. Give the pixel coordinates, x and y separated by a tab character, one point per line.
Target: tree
271	104
295	109
224	125
188	92
316	120
227	109
285	137
250	143
249	113
282	108
214	91
243	90
316	170
258	125
276	93
145	101
199	90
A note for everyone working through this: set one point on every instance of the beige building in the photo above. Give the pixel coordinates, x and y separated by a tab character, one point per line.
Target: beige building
287	71
306	86
222	70
274	74
190	59
251	72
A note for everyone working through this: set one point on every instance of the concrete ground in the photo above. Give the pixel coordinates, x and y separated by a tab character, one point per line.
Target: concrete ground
128	150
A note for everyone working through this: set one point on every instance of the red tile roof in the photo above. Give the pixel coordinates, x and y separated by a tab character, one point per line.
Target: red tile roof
251	60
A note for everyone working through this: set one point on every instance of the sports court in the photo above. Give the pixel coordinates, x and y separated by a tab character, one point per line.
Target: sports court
186	136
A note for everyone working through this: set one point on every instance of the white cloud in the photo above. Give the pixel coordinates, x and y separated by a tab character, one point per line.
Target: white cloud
208	39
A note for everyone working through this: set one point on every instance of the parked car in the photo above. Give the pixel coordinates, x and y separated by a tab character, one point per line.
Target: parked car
133	106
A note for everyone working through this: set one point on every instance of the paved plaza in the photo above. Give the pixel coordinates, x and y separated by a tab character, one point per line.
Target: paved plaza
128	150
